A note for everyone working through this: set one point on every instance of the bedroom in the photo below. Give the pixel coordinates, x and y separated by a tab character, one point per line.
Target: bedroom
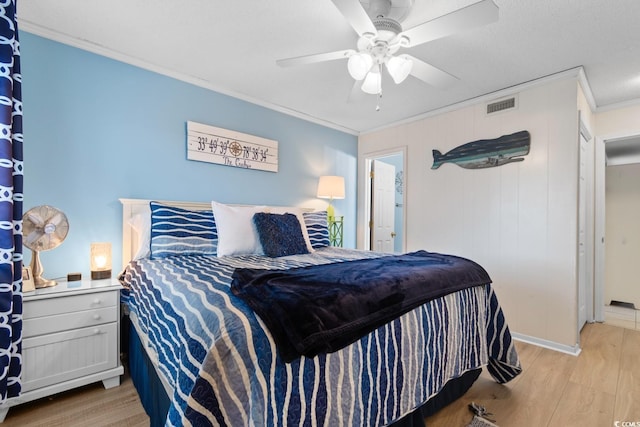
91	128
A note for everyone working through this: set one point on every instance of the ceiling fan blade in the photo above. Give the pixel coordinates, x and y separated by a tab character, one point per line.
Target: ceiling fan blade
430	74
356	15
312	59
481	13
356	93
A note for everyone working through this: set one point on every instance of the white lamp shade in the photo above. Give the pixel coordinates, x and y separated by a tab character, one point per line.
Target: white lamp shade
331	187
399	67
359	65
373	82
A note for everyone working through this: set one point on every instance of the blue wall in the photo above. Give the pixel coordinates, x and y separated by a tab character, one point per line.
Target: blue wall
96	130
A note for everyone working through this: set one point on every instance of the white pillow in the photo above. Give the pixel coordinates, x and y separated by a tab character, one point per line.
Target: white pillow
237	234
298	213
141	224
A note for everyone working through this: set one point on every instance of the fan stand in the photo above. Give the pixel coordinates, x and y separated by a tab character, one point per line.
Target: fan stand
37	270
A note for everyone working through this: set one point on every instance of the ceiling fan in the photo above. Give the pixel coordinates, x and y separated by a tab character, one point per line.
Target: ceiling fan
382	36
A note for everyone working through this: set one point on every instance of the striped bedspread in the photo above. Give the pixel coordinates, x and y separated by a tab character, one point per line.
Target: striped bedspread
225	370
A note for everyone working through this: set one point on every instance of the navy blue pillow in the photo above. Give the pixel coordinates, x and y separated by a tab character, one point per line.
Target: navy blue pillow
280	234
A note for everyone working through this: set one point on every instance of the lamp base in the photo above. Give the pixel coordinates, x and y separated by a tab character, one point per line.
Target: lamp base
102	274
330	211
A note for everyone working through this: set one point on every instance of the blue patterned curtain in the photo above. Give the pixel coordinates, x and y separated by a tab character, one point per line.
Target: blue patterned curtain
10	203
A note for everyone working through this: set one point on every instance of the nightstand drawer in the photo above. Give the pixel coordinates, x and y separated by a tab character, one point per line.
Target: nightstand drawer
67	304
55	358
63	322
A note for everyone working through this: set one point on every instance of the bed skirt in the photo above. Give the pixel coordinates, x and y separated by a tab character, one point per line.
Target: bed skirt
152	394
156	403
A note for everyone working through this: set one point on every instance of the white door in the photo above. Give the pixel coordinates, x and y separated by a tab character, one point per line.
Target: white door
382	206
583	263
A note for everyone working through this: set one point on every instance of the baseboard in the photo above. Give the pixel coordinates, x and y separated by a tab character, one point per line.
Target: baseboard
551	345
621	316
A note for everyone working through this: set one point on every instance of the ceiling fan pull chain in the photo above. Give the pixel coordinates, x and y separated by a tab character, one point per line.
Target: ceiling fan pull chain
379	99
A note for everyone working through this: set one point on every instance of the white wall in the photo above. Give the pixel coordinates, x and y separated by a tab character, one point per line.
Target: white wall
519	220
618	122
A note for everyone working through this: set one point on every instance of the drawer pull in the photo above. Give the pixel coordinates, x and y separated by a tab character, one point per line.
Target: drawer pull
96	332
97	301
96	317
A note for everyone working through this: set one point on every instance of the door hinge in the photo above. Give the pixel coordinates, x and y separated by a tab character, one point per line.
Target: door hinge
371	224
371	174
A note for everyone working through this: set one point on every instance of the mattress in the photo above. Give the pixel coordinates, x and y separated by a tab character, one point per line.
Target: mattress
223	366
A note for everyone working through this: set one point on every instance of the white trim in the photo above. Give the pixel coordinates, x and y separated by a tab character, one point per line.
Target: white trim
600	166
584	129
502	93
586	89
362	219
505	92
551	345
136	62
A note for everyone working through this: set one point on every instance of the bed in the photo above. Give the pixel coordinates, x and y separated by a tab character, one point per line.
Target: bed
200	355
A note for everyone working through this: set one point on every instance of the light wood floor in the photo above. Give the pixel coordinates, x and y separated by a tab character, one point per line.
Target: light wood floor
597	388
89	406
600	386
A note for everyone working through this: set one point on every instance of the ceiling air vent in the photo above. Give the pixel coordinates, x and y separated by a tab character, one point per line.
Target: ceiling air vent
501	105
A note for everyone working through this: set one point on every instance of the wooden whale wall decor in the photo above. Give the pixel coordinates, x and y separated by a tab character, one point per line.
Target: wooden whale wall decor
486	153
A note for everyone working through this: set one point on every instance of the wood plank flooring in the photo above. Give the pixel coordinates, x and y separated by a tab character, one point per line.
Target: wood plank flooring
600	386
597	388
88	406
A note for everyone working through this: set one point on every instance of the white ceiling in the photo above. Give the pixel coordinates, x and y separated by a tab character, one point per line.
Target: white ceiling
232	47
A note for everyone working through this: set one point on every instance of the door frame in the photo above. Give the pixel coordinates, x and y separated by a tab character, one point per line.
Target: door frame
600	227
364	210
588	205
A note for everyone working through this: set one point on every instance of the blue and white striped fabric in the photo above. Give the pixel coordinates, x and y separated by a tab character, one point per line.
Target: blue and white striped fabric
225	369
177	231
317	228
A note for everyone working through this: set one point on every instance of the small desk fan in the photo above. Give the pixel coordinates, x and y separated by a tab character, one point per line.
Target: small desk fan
44	228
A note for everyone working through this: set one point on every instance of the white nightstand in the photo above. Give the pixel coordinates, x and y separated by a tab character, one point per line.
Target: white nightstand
70	338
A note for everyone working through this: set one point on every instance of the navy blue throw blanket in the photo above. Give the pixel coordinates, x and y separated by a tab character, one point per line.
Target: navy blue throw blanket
323	308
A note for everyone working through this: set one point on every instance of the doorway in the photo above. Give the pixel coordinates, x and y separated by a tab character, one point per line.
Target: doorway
385	202
617	198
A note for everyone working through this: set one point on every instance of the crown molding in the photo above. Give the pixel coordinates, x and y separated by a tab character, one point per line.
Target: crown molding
137	62
502	93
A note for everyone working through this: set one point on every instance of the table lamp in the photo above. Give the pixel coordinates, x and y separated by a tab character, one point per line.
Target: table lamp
331	187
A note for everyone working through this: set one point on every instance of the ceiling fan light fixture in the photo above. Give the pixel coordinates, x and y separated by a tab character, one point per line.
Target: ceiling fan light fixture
359	65
373	82
399	68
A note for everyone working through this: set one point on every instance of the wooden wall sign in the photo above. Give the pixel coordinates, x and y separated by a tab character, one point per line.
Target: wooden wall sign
230	148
